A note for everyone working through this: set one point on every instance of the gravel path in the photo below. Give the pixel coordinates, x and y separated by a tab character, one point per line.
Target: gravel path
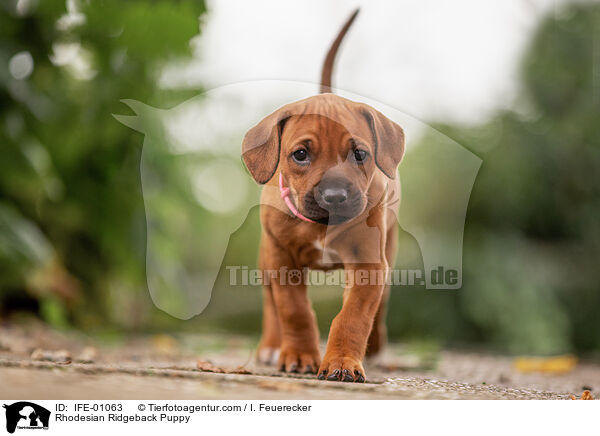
37	363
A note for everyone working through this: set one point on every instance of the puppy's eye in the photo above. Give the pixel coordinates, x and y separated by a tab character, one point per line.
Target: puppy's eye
359	156
300	156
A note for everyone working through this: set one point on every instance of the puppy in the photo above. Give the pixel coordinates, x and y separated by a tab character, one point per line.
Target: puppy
330	197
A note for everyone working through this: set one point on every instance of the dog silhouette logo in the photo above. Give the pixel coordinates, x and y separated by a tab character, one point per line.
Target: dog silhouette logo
176	262
26	415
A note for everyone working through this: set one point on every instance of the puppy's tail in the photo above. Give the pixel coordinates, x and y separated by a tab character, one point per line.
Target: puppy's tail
330	58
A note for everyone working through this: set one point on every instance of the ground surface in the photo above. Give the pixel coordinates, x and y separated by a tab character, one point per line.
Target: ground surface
38	363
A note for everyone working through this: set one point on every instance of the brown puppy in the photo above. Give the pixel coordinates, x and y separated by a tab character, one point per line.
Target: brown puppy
329	201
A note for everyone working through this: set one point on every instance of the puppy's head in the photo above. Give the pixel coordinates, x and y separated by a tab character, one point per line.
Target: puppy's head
330	151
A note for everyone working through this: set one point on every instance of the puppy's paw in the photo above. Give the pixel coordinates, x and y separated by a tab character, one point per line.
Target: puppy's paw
267	355
305	361
340	368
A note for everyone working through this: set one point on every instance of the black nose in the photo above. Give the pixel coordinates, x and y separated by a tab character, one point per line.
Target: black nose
334	196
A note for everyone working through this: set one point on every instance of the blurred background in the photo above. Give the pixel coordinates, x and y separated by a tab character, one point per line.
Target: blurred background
516	83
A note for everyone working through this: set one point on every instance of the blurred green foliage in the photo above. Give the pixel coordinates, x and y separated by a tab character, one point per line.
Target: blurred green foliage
71	210
532	236
72	225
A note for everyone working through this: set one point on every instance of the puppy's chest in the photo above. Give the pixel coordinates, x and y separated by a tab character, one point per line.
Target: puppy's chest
315	255
304	242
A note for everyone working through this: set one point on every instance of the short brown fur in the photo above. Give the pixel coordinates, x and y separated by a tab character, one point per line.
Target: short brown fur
331	128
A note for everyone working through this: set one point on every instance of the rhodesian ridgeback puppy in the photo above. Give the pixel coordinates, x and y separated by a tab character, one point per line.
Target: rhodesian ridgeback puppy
330	197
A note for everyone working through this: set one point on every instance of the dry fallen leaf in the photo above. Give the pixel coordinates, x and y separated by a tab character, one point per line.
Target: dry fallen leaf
587	395
206	366
165	344
239	370
548	365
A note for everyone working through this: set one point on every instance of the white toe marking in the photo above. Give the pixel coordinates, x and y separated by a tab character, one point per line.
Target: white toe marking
268	355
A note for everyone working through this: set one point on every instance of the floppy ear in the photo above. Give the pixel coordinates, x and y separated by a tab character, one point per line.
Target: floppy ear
389	141
261	146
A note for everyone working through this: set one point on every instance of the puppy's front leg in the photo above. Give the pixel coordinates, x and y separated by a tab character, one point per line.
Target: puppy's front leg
299	350
350	329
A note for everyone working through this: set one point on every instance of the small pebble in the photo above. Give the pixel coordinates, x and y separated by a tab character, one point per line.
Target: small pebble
60	356
87	355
